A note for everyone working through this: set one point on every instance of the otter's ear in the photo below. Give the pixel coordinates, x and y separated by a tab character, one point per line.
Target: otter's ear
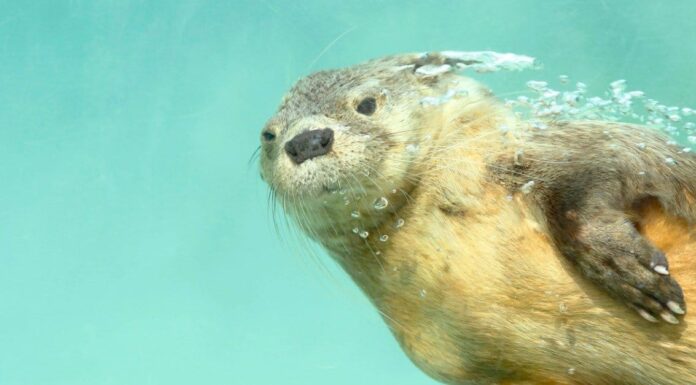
431	64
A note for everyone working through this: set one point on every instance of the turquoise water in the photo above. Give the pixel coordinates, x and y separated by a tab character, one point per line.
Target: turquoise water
135	241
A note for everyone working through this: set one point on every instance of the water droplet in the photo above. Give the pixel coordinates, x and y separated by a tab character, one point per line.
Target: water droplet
518	157
380	203
364	234
562	307
355	214
539	125
384	238
399	223
412	148
527	187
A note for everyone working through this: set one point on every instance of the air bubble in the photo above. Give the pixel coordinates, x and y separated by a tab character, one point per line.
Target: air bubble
384	238
527	187
563	79
536	85
381	203
355	214
539	125
641	146
412	148
670	161
563	308
423	293
364	234
399	223
571	371
356	230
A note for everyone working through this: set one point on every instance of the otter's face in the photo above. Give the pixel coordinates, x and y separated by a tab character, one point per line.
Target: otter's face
335	131
356	134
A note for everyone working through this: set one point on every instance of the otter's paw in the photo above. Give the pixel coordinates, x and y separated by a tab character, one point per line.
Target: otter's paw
635	280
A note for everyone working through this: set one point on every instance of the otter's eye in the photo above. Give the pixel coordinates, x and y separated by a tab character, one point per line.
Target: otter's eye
367	106
268	136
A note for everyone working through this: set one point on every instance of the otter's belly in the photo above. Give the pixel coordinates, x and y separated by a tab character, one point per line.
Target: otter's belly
454	290
492	301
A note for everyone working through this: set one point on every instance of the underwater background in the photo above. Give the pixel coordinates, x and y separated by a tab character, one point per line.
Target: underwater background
136	242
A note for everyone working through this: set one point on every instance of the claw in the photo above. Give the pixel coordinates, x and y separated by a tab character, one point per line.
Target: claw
675	308
659	263
667	316
646	315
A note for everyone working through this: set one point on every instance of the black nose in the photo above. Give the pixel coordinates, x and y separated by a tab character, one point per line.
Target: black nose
309	144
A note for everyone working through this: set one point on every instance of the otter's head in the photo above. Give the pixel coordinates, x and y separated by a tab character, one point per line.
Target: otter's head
342	139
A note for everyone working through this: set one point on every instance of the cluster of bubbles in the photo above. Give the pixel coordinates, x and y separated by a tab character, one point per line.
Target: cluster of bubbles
617	104
379	204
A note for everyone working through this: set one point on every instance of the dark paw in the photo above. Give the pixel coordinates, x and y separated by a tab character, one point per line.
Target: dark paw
649	290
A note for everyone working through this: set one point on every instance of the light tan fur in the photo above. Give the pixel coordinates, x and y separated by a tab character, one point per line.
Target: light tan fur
471	285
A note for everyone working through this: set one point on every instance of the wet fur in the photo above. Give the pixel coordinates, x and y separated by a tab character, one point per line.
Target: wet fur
474	286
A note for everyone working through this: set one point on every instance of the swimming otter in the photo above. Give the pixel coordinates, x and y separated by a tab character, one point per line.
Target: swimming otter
474	233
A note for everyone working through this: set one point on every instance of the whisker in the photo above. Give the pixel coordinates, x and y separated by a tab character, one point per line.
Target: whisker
254	156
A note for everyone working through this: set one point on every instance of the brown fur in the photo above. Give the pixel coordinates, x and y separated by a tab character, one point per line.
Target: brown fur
473	285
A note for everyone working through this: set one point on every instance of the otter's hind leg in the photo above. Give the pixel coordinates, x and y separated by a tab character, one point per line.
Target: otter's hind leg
608	249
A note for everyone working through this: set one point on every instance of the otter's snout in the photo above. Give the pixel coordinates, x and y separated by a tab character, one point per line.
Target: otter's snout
309	144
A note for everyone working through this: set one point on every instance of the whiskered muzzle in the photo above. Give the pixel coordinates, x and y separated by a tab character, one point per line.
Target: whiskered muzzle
309	144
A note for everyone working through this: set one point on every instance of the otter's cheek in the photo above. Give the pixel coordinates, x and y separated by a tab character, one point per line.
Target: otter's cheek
350	150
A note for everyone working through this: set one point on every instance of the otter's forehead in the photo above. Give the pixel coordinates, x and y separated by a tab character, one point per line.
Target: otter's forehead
324	91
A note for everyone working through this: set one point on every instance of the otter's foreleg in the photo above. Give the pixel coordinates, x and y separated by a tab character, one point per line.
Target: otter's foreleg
608	249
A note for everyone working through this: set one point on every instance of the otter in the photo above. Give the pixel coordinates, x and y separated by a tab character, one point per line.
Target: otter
496	252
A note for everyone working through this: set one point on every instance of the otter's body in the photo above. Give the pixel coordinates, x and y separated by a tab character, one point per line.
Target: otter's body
463	255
